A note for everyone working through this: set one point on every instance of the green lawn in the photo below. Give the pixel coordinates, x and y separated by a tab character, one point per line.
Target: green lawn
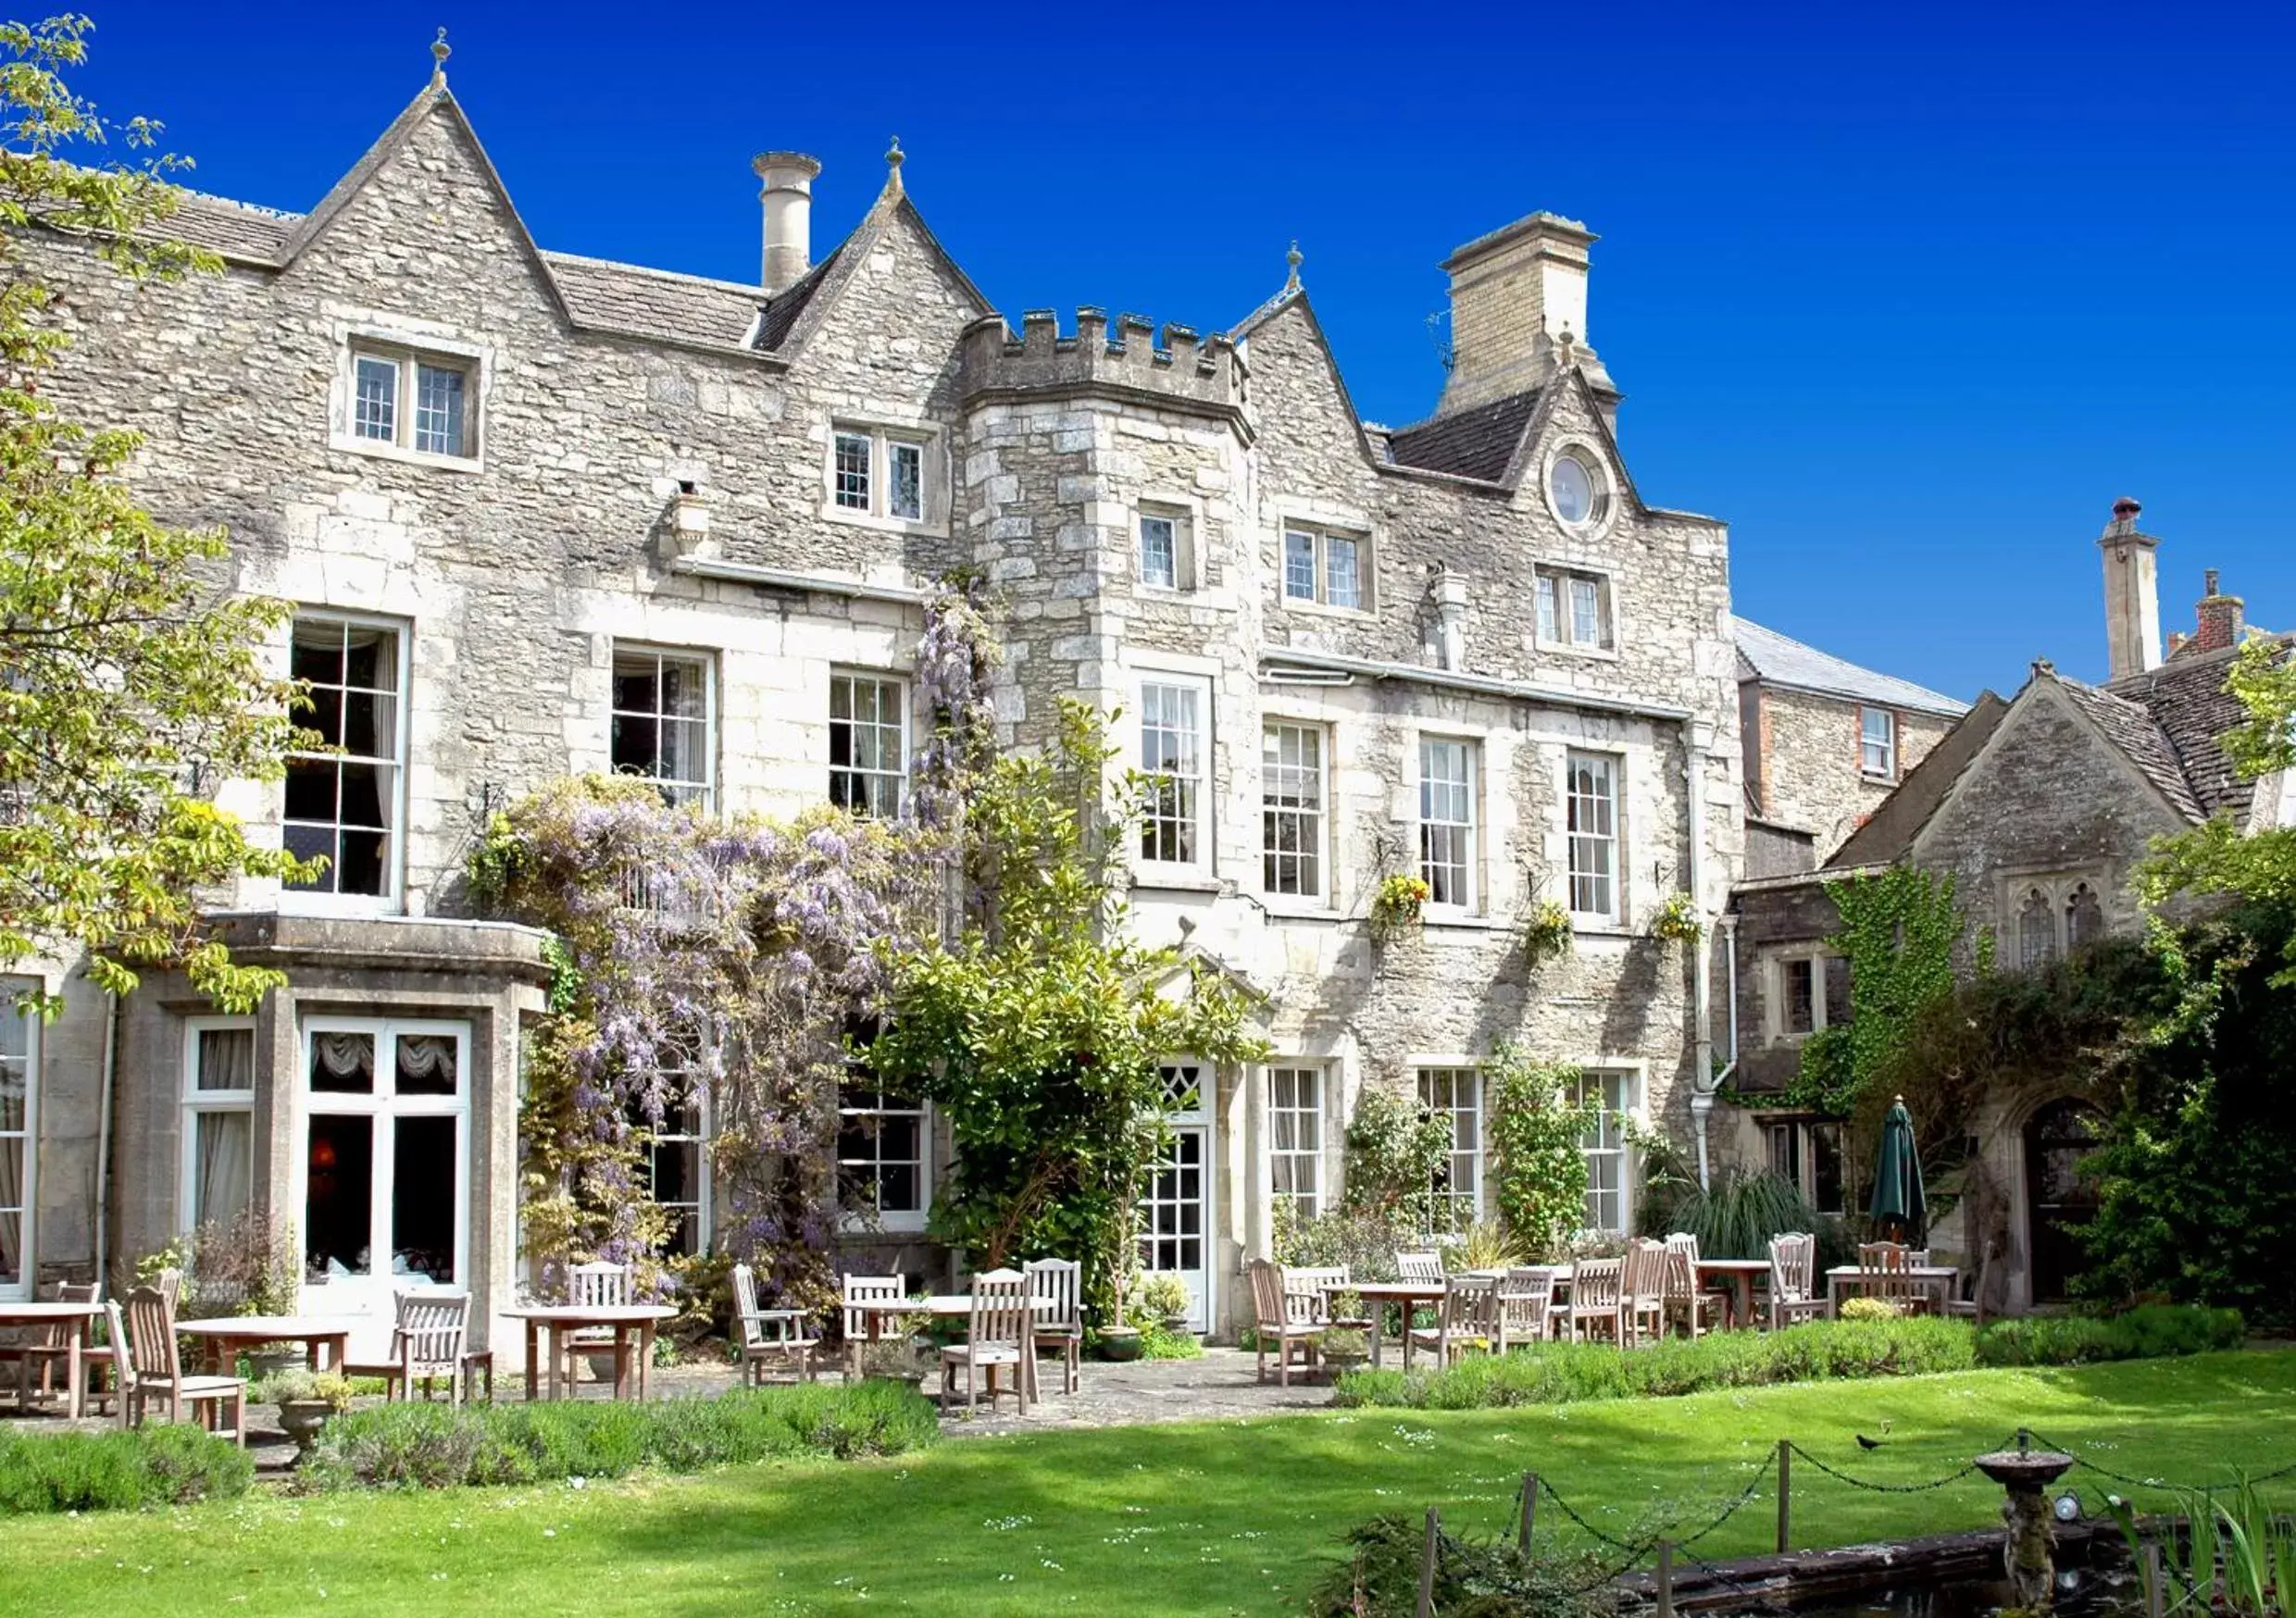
1206	1518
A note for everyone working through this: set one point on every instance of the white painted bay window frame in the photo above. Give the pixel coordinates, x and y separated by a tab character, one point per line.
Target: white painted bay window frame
203	1102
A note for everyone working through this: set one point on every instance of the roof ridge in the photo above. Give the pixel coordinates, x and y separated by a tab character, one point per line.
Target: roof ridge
687	277
190	193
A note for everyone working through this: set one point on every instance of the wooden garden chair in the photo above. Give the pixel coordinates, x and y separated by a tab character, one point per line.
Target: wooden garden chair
1056	1322
856	1322
1469	1321
156	1371
1794	1293
769	1336
1885	1271
1527	1307
429	1341
602	1284
1282	1318
1419	1266
999	1336
1684	1299
1596	1286
1642	1288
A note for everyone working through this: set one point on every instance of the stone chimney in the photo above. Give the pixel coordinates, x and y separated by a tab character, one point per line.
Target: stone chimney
2221	618
2132	595
788	199
1518	311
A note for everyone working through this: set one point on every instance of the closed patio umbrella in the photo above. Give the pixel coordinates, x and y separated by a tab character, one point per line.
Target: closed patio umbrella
1898	1205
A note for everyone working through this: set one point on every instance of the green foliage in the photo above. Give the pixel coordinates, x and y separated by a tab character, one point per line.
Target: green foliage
1537	1170
1164	1295
1396	1148
1155	1343
1569	1373
1364	1240
162	1464
439	1446
1487	1244
1474	1578
1396	903
2236	1556
297	1387
1038	1035
2148	1332
130	684
1737	1214
1899	929
1867	1309
1548	934
247	1265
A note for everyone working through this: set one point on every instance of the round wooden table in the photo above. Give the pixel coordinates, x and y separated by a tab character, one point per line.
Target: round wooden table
560	1321
79	1317
226	1334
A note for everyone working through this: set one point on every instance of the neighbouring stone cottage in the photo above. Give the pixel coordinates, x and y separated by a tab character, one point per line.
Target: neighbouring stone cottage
2039	808
542	514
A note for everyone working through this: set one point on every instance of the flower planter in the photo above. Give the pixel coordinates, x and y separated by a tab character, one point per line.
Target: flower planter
1121	1343
1338	1366
601	1364
301	1419
1177	1325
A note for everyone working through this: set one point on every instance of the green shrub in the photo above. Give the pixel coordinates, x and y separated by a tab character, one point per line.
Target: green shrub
437	1446
162	1464
2151	1331
1155	1343
1474	1578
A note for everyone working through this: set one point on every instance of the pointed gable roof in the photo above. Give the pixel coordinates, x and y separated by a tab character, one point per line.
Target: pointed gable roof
2188	702
794	316
1477	443
1887	834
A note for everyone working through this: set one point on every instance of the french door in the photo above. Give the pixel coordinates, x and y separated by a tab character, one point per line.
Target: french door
1176	1235
385	1166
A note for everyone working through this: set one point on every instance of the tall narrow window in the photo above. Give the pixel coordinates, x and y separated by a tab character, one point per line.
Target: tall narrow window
1876	743
343	804
1797	995
906	467
1604	1146
1299	566
414	401
1172	754
19	1120
219	1122
2036	931
1159	551
881	1167
1447	855
852	471
677	1160
868	744
2084	917
1295	1138
660	724
1591	783
1457	1093
1292	812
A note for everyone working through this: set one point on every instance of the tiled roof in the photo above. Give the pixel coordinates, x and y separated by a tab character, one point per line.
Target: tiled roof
2130	727
2187	699
1889	830
782	312
684	308
1780	660
1479	442
234	229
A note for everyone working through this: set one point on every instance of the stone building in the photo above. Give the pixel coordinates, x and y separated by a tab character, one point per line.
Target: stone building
2039	808
1825	743
542	514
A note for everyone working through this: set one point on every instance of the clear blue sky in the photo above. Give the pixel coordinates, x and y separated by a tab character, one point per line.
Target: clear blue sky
1906	294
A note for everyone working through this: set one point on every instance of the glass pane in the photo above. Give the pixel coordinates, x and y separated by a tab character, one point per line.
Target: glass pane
438	410
422	1199
685	687
1343	586
343	1064
338	1211
360	869
14	1078
226	1059
374	411
1298	567
907	497
370	658
11	1233
222	1166
316	651
426	1064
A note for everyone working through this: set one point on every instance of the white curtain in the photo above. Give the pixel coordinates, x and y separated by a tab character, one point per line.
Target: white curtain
226	1059
225	1164
343	1054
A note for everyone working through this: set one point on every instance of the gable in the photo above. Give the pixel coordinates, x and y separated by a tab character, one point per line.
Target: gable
891	275
1300	401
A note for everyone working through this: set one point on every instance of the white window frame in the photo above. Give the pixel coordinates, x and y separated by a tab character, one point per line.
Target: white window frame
885	440
198	1103
1867	746
696	1085
1308	1160
891	685
1577	843
677	790
906	1221
1609	1140
1467	1122
1320	536
28	1217
1554	622
1314	847
316	900
1469	828
1181	522
1196	818
405	352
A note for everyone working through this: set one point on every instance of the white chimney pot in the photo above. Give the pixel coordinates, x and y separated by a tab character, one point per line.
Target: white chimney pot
787	196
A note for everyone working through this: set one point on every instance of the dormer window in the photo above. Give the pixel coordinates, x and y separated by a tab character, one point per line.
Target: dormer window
413	400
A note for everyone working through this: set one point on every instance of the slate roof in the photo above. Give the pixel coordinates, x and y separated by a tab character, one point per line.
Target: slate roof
625	297
2131	729
1779	660
235	230
1477	443
782	313
2188	702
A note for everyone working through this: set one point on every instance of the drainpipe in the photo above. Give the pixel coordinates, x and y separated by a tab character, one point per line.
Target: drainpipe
1697	739
103	1142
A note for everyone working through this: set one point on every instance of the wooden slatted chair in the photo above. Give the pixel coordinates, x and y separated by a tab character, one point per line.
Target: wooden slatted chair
1470	1321
1642	1289
1684	1299
428	1341
1281	1319
157	1371
1596	1287
1420	1267
602	1284
1884	1271
769	1336
866	1289
1527	1307
998	1337
1794	1281
1057	1320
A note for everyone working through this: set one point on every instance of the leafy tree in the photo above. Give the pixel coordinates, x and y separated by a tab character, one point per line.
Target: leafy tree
1037	1035
129	683
1396	1148
1538	1169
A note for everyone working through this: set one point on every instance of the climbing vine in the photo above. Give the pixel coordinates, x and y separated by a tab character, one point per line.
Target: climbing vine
1395	1149
1538	1163
1899	929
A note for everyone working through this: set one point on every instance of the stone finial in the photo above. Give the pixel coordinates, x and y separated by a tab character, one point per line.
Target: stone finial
440	51
894	155
1293	259
2042	666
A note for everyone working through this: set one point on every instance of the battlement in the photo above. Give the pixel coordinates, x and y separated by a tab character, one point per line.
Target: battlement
1181	367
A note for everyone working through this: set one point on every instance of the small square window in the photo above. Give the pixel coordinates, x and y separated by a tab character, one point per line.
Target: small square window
1324	568
414	401
1574	610
874	473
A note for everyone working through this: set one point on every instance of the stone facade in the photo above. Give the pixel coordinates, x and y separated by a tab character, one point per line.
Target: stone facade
652	464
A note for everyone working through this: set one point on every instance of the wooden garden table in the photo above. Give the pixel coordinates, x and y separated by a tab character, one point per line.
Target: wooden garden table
561	1321
1940	1281
79	1317
1740	1274
226	1334
1407	1295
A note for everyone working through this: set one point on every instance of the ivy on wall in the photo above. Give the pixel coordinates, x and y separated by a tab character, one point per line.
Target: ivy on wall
1899	929
1538	1163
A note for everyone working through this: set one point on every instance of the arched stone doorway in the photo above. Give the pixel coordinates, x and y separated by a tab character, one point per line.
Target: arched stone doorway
2057	1197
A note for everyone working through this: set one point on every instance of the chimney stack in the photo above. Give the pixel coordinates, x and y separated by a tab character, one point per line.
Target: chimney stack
2132	595
788	199
2221	618
1518	311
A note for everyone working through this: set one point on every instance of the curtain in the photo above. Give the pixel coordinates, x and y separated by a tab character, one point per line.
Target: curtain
343	1054
425	1055
226	1059
224	1164
11	1198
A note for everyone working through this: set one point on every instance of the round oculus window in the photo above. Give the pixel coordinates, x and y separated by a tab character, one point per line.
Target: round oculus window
1571	486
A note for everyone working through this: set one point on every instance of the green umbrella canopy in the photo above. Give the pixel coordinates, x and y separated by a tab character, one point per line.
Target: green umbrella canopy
1898	1198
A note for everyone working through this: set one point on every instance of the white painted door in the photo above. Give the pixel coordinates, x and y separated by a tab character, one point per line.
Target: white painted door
385	1167
1176	1235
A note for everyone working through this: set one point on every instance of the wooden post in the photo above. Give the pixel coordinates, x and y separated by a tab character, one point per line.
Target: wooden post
1427	1564
2154	1594
1531	1510
1785	1496
1666	1578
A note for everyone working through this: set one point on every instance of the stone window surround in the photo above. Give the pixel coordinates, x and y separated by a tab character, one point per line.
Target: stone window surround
880	427
1772	967
1185	511
405	336
1479	886
1351	522
1622	864
1205	673
198	1101
1608	493
393	899
2059	884
1606	579
706	659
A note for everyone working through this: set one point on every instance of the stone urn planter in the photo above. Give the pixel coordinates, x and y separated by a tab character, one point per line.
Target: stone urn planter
274	1361
601	1363
1177	1325
1119	1343
301	1419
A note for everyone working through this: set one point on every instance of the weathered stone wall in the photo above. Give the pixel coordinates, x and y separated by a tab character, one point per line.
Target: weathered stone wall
1811	771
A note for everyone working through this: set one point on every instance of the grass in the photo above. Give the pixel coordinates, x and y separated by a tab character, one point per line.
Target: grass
1220	1517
